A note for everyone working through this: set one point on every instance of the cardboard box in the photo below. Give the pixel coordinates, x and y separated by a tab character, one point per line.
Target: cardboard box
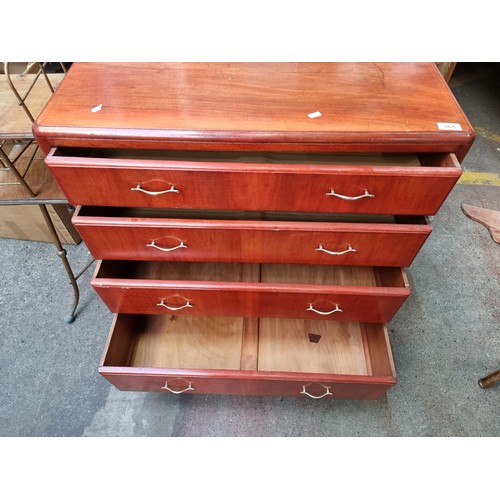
26	222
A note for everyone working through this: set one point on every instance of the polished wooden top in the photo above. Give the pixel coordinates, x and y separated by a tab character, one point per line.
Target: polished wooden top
359	103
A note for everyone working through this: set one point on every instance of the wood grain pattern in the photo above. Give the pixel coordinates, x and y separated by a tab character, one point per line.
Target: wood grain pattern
249	383
264	103
490	219
188	342
394	188
377	349
161	271
277	291
110	238
250	344
112	156
284	345
318	275
165	125
127	372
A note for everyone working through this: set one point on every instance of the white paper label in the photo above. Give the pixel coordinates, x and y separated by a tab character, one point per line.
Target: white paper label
316	114
449	126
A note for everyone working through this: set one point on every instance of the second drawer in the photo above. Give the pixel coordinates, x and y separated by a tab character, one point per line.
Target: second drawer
269	290
134	234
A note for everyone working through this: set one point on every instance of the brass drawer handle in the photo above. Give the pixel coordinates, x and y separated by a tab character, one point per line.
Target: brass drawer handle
154	245
350	198
187	304
188	388
349	249
326	313
327	393
154	193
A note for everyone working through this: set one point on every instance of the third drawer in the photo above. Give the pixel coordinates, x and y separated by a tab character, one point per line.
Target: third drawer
314	292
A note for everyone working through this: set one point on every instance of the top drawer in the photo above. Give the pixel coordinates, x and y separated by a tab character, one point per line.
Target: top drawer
401	184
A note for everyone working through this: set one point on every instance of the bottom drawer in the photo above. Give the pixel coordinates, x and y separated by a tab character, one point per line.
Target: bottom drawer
248	356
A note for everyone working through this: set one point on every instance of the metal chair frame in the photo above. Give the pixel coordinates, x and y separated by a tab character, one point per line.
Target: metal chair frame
10	164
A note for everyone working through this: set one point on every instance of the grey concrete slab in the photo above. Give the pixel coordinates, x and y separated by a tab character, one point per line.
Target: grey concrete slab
444	338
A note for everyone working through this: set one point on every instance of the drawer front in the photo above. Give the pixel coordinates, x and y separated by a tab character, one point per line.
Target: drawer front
418	190
252	290
393	245
248	384
230	299
239	356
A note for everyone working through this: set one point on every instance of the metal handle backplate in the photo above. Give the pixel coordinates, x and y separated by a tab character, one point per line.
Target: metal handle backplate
162	249
326	393
330	252
171	308
188	388
325	313
172	189
366	194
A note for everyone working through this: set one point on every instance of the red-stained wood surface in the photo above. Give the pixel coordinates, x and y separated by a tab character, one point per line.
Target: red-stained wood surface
116	368
253	108
262	104
372	304
249	383
418	190
490	219
127	238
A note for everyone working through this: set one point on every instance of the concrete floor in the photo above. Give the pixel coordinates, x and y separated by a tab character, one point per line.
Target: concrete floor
445	337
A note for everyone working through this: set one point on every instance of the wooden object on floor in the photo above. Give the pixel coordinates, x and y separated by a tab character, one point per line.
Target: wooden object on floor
489	380
490	219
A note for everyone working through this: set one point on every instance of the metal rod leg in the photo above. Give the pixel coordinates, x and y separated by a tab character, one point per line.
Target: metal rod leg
490	379
62	253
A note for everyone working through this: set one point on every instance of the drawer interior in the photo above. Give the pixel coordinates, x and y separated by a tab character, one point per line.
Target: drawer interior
361	276
223	343
149	214
382	159
188	214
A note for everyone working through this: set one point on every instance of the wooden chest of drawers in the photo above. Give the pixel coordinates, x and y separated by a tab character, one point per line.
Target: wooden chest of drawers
253	221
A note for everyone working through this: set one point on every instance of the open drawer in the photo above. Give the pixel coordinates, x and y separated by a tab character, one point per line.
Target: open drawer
117	233
255	290
248	356
377	183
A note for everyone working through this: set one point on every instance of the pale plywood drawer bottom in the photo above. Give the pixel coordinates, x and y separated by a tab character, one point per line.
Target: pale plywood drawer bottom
252	356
